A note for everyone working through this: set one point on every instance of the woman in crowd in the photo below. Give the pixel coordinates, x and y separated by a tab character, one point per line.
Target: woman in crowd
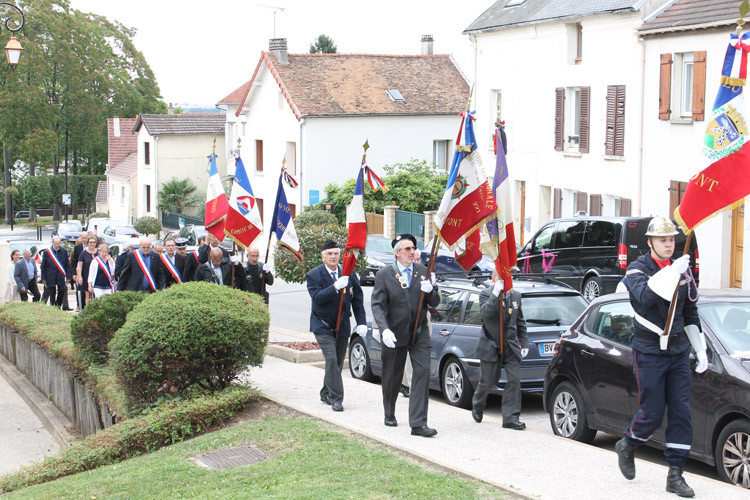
10	282
82	270
101	270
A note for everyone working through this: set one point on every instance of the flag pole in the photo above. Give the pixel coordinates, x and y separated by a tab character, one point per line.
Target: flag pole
431	266
271	232
234	243
673	304
501	338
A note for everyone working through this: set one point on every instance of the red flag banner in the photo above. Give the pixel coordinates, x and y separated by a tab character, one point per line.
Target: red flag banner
471	253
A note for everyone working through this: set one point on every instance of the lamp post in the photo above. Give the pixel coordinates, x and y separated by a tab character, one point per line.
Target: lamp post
13	48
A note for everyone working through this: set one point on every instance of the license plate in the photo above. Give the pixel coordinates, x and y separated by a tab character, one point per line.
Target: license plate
547	349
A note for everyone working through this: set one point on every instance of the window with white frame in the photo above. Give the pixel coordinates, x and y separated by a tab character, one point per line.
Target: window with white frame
440	154
572	119
686	85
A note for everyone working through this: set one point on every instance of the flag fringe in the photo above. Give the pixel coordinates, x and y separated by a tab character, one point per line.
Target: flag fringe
238	242
297	255
686	229
220	219
473	228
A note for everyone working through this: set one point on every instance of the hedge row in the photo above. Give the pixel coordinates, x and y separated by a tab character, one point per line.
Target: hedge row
169	424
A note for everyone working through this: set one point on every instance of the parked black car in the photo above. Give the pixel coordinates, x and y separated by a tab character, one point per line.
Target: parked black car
590	385
456	326
590	253
379	253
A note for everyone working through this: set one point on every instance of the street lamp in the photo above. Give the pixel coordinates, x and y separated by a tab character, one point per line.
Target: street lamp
13	47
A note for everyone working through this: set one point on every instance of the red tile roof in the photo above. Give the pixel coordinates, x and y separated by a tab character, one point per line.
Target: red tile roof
126	168
123	144
237	96
356	84
182	124
101	192
693	14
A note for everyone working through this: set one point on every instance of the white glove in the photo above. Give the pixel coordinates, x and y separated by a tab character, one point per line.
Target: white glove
340	283
497	289
426	286
524	352
235	259
360	329
702	361
433	279
681	264
389	338
376	334
266	267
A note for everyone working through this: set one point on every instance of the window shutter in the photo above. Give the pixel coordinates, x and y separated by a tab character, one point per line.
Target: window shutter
625	207
699	85
595	200
559	117
665	86
582	201
620	121
676	192
609	138
557	203
259	155
583	141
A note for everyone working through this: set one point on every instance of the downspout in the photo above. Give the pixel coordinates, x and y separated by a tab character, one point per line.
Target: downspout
639	169
154	188
300	170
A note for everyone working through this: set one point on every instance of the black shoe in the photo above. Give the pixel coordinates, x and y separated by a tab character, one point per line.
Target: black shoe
325	399
625	459
337	406
423	431
404	391
477	415
676	483
390	422
516	426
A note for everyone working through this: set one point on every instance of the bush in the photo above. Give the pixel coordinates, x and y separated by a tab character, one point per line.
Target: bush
97	324
313	228
148	225
97	215
187	337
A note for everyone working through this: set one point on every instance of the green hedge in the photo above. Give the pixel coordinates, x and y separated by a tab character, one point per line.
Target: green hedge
166	425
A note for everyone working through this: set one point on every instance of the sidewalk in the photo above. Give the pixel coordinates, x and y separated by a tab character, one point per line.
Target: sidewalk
529	463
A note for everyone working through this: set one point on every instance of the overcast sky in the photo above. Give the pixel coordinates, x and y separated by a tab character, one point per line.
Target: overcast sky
200	51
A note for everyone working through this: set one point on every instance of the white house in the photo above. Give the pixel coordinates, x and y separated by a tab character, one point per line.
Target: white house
685	45
567	78
121	169
317	110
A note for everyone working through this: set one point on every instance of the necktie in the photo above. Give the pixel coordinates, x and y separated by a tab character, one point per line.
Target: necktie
407	272
333	275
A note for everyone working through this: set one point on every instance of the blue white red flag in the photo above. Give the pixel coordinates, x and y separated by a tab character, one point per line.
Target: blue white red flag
357	224
468	201
498	237
289	179
243	223
283	225
373	179
216	201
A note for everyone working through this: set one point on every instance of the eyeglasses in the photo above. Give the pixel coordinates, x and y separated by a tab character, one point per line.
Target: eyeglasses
408	249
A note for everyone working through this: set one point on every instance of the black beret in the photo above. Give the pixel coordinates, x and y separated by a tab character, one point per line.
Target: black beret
328	244
405	236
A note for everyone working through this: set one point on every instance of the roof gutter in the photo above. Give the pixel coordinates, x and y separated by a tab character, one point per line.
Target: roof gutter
546	20
692	27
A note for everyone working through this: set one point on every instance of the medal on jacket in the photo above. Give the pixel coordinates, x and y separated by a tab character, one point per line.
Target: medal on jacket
402	280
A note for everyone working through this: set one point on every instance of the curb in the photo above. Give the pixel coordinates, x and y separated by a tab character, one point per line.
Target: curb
51	418
293	355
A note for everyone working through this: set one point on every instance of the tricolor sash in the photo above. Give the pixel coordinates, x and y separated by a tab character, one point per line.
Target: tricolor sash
57	262
146	271
171	267
105	268
195	254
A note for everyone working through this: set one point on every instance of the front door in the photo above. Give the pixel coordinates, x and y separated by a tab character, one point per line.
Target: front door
738	229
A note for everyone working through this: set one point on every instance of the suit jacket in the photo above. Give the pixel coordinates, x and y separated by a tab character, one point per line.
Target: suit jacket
21	274
395	308
191	264
179	263
120	263
514	325
254	281
77	249
131	276
325	302
205	273
50	274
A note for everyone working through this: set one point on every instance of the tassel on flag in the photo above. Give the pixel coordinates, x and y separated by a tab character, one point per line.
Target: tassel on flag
468	201
283	225
216	201
725	183
289	179
356	240
243	223
373	179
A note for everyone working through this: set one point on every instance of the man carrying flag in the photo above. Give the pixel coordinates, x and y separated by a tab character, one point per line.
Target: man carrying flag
243	222
216	201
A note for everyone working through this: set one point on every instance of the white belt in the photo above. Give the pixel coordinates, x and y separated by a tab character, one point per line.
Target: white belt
647	324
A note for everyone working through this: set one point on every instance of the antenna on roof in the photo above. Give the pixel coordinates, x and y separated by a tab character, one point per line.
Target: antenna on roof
275	9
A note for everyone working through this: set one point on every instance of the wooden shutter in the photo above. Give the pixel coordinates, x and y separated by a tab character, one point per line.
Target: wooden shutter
676	192
147	153
699	85
583	140
625	207
559	118
614	143
582	203
260	207
665	87
259	156
595	200
556	203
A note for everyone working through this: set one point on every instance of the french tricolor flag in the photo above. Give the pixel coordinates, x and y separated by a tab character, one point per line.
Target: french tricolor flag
216	201
355	220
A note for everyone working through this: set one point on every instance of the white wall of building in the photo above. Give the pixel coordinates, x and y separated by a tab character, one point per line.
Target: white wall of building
146	173
120	199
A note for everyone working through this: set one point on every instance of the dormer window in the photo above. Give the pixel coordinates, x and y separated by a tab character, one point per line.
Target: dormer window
395	95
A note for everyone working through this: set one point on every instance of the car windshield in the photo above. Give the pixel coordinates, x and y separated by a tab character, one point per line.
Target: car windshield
381	245
69	226
729	321
548	309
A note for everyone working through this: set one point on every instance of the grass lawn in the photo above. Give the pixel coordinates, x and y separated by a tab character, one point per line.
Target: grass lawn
308	459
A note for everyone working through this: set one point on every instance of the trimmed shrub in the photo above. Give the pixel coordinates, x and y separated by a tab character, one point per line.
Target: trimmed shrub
97	214
95	326
188	337
147	225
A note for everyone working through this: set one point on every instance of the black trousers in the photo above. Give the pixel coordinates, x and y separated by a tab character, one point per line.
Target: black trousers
32	287
394	360
55	291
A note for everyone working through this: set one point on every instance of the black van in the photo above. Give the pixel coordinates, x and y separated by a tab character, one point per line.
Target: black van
591	253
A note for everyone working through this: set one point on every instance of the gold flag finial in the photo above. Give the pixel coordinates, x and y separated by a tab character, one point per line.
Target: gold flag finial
239	144
366	146
468	102
283	163
744	9
213	151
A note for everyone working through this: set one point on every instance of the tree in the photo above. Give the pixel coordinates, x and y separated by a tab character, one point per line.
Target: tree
147	225
416	186
176	195
323	45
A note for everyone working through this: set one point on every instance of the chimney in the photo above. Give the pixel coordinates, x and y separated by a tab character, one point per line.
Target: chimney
426	45
116	126
278	47
170	109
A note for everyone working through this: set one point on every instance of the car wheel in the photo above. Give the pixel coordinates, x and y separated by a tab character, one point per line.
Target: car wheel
457	390
359	360
568	414
592	288
732	453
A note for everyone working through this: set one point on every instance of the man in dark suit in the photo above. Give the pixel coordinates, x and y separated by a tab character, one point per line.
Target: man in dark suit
195	259
325	285
258	274
218	270
174	263
55	272
25	276
395	303
132	276
515	348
